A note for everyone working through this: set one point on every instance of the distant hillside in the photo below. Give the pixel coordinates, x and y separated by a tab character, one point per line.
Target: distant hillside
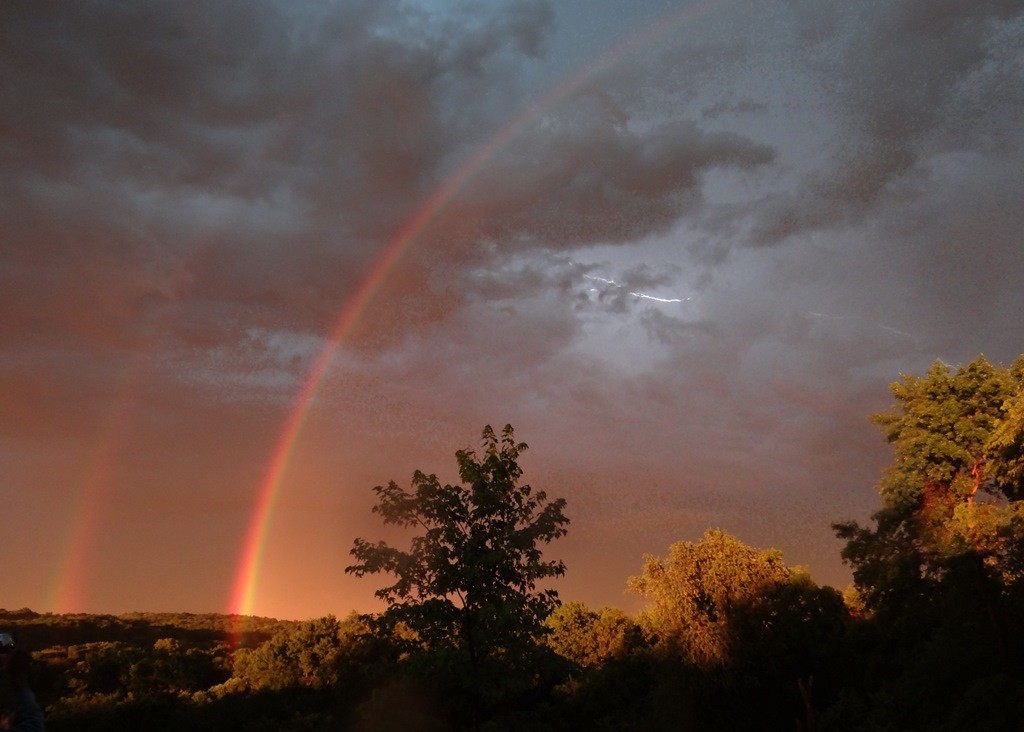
38	631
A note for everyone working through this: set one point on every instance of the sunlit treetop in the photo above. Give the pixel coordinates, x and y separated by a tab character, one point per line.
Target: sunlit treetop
941	427
951	499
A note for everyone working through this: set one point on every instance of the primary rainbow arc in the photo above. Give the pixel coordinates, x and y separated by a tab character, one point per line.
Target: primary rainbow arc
244	589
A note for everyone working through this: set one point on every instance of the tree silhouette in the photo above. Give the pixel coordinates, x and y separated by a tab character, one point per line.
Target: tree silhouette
468	584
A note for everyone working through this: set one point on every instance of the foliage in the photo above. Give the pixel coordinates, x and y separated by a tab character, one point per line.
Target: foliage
472	573
325	653
468	585
940	571
790	631
43	630
117	668
591	638
313	653
733	622
940	428
1006	442
957	438
696	588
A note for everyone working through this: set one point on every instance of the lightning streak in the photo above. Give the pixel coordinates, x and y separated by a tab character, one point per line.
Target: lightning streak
638	295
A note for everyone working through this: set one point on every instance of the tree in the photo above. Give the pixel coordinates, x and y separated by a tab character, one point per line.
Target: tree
957	437
737	623
470	581
1006	442
317	653
695	589
941	568
940	427
590	638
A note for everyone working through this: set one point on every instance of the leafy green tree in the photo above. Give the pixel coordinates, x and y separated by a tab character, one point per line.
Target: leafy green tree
590	638
1006	444
694	591
788	634
957	436
315	653
471	581
732	634
940	569
939	428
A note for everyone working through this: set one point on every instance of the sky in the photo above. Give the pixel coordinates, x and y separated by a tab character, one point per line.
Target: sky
259	257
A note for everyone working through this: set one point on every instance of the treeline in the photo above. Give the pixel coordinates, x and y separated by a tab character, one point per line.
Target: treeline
929	637
45	630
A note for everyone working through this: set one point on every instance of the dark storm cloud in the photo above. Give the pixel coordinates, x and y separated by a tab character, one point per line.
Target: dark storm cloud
219	174
590	180
247	160
184	186
906	64
905	82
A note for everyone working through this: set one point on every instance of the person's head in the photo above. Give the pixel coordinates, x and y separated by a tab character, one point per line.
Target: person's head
14	662
7	648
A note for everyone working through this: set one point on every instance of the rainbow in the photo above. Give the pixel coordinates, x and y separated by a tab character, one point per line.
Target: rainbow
243	594
67	592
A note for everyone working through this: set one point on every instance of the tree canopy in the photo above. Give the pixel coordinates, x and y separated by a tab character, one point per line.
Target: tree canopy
952	493
472	578
694	589
591	637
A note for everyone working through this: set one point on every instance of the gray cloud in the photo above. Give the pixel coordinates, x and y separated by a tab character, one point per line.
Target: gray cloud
573	185
905	82
191	196
245	161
